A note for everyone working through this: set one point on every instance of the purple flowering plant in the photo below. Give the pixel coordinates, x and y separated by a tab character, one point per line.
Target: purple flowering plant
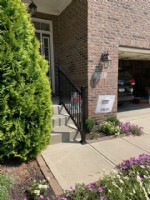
129	128
82	191
112	126
140	165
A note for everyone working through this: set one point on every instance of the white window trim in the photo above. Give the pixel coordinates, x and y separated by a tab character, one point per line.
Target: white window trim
51	46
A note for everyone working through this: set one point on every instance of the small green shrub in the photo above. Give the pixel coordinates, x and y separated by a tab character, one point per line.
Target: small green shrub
94	136
90	123
37	190
110	128
5	185
136	130
113	119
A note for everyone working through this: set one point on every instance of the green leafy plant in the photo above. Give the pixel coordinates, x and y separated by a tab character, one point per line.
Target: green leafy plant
113	119
37	190
25	103
110	128
90	123
94	136
136	130
5	185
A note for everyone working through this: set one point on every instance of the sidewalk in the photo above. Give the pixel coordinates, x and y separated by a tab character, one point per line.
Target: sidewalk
73	163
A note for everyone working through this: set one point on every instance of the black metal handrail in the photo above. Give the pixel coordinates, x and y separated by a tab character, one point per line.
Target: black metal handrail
73	100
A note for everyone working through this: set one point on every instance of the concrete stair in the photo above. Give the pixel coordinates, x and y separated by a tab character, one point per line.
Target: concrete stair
64	129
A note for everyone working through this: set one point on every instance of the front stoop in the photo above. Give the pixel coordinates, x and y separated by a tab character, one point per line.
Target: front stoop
64	129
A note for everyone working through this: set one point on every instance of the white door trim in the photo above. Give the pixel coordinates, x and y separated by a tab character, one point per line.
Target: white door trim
51	46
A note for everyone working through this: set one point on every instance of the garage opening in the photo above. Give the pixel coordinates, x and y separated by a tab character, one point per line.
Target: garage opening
134	64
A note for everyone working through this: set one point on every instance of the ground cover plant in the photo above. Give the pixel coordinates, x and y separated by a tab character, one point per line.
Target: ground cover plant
5	185
25	105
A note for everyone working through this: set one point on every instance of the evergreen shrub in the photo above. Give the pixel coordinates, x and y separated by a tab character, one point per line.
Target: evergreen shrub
25	102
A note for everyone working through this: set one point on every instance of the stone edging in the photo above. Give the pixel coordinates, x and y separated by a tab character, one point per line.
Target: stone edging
57	190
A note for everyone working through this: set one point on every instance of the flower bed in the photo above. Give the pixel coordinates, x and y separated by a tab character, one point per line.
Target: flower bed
130	181
112	127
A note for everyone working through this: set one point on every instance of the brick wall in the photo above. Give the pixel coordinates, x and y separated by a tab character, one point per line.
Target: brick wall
112	24
73	41
85	29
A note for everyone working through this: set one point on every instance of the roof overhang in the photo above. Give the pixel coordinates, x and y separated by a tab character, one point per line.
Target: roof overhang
131	53
53	7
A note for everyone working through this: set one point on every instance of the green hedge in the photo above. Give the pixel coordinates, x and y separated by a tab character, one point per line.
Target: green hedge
25	102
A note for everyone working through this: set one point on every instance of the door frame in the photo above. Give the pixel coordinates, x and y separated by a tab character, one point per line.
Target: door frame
51	47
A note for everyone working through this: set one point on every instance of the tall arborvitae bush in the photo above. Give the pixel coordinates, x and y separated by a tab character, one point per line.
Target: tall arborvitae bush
25	102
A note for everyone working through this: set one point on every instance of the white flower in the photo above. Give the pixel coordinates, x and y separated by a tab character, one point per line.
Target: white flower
134	191
40	186
37	192
126	178
121	181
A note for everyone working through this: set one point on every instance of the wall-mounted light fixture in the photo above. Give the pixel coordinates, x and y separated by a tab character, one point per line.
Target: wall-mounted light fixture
32	8
106	60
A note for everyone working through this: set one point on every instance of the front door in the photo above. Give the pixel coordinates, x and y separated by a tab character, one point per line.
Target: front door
44	35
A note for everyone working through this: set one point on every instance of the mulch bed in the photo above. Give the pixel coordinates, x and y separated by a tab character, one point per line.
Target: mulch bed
22	175
97	136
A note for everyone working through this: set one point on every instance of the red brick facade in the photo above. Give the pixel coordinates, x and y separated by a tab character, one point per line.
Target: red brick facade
73	41
110	25
85	29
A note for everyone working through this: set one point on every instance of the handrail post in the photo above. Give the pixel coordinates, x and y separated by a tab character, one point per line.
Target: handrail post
59	90
83	116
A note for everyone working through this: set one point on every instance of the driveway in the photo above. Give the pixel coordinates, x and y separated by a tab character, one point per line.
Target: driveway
138	114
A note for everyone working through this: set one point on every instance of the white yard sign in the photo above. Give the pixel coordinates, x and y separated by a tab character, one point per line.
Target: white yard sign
105	103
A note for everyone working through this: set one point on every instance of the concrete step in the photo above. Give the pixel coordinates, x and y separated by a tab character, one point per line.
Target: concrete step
59	109
64	134
62	119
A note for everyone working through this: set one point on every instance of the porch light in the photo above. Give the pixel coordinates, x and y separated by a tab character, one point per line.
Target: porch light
32	8
106	60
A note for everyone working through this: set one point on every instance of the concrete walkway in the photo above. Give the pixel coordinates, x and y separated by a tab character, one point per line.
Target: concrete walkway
73	163
137	114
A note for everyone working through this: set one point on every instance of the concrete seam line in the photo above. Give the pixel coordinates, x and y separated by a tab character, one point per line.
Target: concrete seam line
110	161
56	188
135	145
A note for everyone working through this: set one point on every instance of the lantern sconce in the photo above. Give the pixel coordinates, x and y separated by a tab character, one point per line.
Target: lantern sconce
32	8
106	60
